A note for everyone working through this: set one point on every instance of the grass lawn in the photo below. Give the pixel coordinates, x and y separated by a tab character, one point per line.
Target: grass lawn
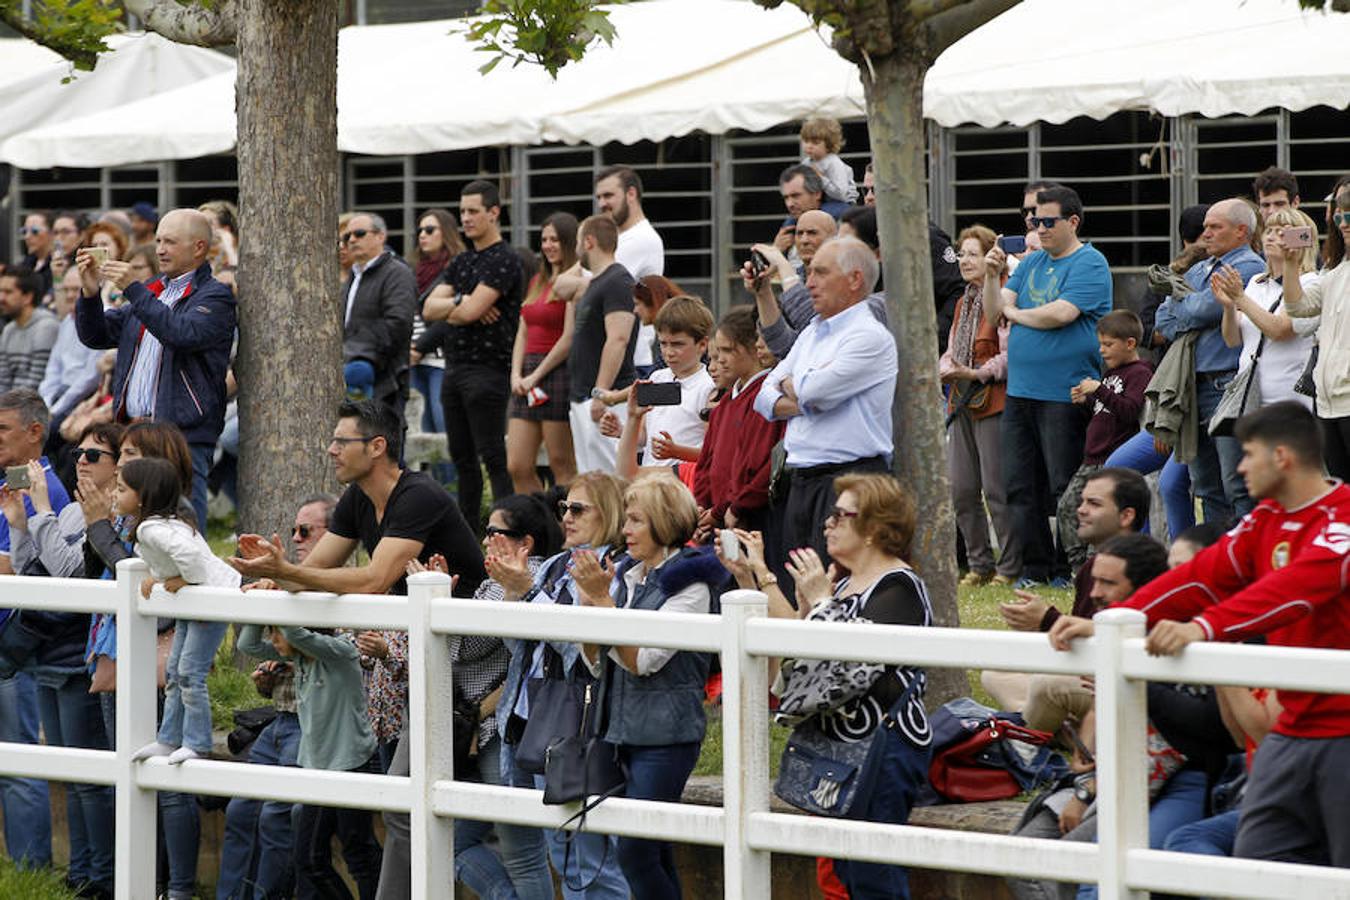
33	884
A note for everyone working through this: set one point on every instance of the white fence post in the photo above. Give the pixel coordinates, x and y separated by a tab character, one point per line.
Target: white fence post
745	748
1122	755
137	668
431	747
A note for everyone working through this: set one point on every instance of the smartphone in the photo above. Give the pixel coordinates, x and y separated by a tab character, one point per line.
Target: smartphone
16	478
731	548
664	394
1013	244
759	263
99	255
1297	237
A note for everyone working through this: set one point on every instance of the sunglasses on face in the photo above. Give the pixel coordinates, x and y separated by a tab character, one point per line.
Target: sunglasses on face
577	509
93	454
1046	222
302	532
29	230
493	530
1340	218
356	234
428	229
1028	211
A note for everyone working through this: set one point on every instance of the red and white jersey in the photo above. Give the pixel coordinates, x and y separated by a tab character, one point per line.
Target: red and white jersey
1281	573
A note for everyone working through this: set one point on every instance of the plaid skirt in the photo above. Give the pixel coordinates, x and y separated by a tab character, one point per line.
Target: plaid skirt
556	384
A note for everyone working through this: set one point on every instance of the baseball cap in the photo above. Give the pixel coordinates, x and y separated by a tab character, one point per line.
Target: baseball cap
145	210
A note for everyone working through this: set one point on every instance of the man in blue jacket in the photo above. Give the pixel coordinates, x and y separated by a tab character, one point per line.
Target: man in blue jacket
173	338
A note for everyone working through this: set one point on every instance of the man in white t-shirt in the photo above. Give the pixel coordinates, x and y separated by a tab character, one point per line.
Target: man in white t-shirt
618	194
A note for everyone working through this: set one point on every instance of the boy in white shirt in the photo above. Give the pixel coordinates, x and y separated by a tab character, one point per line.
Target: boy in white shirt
671	435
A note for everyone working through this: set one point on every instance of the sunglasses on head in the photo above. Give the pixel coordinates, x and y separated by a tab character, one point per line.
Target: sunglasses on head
93	454
355	234
575	508
1046	222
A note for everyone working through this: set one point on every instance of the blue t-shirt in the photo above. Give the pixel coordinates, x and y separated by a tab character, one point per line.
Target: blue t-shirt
56	492
1045	364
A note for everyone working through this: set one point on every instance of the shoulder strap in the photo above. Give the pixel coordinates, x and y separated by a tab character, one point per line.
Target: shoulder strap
1261	344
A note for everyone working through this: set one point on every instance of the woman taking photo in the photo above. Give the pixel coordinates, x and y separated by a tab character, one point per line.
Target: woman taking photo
868	536
653	709
1329	298
592	519
438	242
539	374
975	367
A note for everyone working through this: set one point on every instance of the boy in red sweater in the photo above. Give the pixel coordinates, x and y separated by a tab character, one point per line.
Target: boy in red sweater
1116	402
732	480
1284	572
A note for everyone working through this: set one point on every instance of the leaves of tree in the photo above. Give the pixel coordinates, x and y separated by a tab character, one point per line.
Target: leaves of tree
73	28
549	33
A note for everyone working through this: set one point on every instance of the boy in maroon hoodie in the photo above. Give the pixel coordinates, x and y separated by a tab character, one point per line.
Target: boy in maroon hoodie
1117	401
731	482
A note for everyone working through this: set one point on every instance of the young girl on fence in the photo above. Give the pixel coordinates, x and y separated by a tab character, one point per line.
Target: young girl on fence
177	554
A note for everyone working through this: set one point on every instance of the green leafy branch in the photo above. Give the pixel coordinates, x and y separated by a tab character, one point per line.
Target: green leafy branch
549	33
73	28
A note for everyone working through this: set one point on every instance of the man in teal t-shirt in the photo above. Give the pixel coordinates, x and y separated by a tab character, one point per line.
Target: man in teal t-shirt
1053	302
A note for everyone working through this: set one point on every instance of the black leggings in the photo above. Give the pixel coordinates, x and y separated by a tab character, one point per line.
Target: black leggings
1336	441
475	399
313	828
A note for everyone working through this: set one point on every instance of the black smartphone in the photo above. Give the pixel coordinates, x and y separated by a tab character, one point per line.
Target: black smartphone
1013	244
759	263
663	394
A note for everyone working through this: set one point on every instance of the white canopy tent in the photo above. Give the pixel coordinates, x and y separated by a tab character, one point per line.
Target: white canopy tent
20	58
137	66
716	65
1052	60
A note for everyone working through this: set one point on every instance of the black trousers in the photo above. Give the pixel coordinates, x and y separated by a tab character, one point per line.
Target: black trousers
799	521
1336	446
475	399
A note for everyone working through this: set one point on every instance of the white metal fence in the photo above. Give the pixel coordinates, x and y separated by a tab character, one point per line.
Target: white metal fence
748	832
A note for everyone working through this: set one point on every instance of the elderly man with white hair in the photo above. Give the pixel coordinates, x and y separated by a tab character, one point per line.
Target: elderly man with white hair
835	390
173	337
1229	226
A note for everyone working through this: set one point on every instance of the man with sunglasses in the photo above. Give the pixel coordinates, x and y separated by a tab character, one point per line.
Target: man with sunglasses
38	241
380	297
1053	302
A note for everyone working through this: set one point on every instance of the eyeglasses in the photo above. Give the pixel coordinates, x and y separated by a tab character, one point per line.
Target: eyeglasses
838	514
1340	218
29	230
352	440
577	509
302	532
429	229
93	454
493	531
1046	222
355	234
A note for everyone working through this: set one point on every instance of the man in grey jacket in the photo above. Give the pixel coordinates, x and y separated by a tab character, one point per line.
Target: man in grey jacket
379	298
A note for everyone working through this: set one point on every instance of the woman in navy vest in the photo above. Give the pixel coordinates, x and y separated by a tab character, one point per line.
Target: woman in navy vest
654	701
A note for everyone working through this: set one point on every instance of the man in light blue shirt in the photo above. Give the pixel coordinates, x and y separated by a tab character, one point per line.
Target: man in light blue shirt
835	389
1229	226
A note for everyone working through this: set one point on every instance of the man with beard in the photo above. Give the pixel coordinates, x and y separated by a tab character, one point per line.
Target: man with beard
618	194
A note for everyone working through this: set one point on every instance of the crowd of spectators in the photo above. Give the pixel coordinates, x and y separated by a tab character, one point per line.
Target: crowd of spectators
684	454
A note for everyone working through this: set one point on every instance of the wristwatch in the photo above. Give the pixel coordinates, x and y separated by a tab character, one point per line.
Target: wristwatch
1085	787
459	298
598	393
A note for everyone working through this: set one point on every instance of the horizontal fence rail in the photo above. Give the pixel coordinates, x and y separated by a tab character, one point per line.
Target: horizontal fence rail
1120	863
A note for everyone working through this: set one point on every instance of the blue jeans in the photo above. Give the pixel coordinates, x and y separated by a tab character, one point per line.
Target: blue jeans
187	708
1222	491
589	850
28	814
904	768
654	773
1181	802
521	871
202	457
314	830
426	380
1174	484
1214	836
182	840
71	717
256	855
1042	448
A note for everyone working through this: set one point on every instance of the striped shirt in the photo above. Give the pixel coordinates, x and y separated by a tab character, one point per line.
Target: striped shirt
25	349
143	379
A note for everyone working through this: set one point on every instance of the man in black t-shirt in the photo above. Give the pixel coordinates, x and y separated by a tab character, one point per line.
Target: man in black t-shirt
602	342
481	302
396	515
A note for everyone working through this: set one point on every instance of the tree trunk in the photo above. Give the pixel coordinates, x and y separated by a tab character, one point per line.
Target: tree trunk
290	332
895	125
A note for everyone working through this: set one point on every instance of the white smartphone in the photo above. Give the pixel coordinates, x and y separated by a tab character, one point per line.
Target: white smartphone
731	548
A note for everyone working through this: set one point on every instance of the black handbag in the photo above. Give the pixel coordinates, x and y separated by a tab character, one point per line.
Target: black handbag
822	774
1305	384
556	703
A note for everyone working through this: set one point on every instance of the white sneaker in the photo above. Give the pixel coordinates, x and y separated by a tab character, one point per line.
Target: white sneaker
182	755
152	749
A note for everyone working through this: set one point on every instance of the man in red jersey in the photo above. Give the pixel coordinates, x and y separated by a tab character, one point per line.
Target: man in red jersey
1283	572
